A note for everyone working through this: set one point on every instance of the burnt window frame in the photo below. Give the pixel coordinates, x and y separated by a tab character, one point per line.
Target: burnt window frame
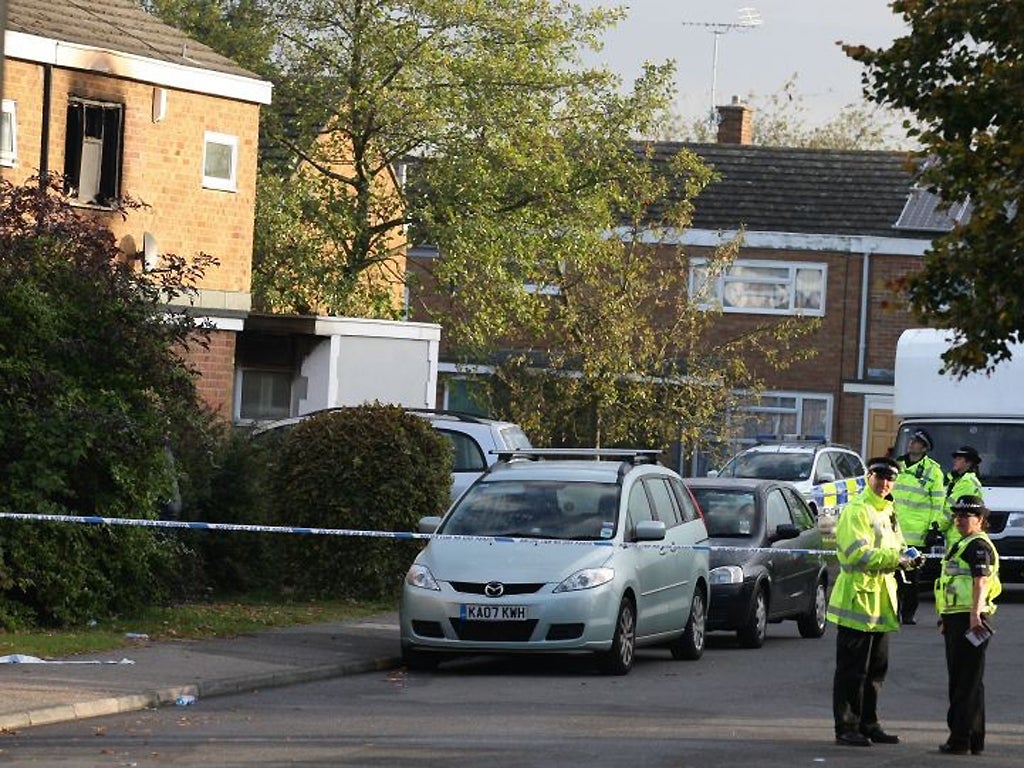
85	116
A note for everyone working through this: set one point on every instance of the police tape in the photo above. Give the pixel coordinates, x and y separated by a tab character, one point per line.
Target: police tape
407	536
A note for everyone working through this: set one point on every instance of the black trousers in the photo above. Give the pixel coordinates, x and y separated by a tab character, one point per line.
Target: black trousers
862	659
965	664
906	593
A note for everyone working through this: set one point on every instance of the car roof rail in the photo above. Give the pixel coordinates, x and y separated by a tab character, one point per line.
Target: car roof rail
472	418
631	455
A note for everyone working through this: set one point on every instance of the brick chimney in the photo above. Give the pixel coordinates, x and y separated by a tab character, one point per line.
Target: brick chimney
734	122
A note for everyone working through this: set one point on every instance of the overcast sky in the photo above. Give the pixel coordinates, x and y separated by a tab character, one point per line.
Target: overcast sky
795	37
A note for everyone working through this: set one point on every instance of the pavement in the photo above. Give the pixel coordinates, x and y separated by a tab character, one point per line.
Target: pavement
148	674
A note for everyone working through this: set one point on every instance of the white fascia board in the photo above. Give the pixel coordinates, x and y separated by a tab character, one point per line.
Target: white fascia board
787	241
868	389
236	324
391	329
43	50
466	368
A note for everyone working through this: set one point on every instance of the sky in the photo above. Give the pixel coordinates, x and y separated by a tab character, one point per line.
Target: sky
796	37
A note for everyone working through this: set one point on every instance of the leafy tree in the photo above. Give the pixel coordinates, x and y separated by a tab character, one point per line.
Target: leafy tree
93	390
481	96
959	73
606	348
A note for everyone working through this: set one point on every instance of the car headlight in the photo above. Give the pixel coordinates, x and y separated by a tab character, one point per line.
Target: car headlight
420	576
726	574
588	578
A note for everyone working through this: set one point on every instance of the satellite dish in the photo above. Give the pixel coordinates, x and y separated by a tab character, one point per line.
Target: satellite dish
150	257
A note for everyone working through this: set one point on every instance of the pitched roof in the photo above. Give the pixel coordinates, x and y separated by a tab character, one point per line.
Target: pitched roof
115	25
808	191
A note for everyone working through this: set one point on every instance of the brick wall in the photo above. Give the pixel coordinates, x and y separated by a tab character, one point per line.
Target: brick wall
216	366
161	167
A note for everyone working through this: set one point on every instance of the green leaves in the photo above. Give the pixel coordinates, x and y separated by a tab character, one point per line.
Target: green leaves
960	72
93	387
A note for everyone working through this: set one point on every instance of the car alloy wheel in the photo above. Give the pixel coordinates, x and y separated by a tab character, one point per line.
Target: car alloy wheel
619	659
812	624
690	645
753	634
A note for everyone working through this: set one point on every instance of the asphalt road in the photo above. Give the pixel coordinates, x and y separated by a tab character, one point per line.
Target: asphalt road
769	707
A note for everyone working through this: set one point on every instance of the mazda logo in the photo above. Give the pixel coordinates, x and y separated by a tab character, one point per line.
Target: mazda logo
494	589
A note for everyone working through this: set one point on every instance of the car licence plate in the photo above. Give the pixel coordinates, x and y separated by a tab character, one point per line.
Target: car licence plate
474	612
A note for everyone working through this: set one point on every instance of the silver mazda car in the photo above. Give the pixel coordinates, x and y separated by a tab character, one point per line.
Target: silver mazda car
551	552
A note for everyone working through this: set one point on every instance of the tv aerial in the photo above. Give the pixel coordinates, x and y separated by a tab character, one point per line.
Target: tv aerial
747	19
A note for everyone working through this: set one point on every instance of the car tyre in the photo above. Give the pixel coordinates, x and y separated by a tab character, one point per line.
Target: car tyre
419	661
618	660
752	635
690	645
812	623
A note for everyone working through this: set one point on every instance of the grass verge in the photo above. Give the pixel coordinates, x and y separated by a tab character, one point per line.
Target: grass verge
221	618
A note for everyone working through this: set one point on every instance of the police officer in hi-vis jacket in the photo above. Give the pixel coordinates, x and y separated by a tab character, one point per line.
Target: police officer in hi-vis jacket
920	495
863	605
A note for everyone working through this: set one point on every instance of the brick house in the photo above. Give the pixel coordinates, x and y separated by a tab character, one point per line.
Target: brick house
122	104
826	231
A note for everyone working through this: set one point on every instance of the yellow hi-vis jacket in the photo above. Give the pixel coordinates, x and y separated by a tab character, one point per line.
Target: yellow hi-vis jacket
868	545
967	484
954	589
920	497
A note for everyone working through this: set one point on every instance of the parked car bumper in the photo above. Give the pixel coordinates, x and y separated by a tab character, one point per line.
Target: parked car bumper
729	605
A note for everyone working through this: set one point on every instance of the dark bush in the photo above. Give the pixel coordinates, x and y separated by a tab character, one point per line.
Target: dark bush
372	467
92	387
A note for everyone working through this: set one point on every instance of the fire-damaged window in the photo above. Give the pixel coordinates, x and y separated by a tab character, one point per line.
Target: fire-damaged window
92	152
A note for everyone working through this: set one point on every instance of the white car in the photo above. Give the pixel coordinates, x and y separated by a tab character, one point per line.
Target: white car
476	441
561	555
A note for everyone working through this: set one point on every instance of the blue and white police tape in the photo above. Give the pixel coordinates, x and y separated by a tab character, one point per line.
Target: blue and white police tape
401	535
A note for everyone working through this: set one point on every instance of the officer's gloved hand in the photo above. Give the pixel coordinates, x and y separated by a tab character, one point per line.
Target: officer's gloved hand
910	559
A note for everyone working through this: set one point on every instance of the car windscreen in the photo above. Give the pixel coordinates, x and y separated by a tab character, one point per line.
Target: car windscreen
548	509
769	466
728	513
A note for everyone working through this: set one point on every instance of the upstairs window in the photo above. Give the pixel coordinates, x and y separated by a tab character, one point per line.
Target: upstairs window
762	287
220	161
8	133
92	152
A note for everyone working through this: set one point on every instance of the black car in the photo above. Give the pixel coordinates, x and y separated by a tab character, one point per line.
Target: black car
757	529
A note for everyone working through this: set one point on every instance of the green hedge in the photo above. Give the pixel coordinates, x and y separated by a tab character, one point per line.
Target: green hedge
372	467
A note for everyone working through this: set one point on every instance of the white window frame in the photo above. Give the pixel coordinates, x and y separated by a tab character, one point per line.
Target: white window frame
239	382
225	184
797	409
9	157
714	297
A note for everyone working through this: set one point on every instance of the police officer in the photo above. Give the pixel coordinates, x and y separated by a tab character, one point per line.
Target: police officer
870	548
962	480
965	594
920	496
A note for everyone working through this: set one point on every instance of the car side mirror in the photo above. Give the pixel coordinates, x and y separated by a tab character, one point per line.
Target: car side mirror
712	473
826	477
650	530
429	524
786	531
